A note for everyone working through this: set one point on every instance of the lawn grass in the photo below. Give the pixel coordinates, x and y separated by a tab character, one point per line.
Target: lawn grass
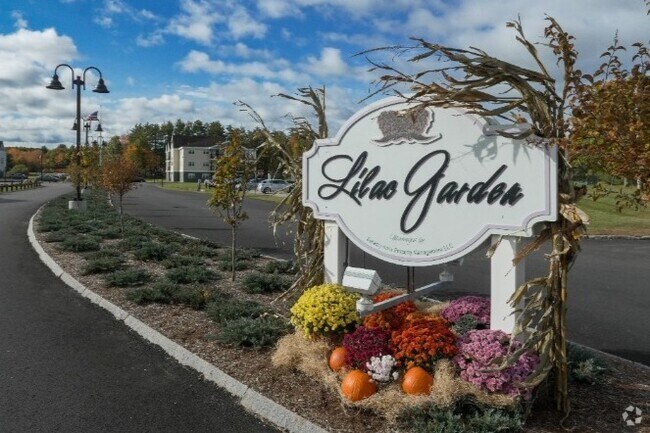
606	220
178	186
191	186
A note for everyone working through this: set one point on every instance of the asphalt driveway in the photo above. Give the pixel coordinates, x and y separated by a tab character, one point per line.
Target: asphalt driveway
67	365
608	299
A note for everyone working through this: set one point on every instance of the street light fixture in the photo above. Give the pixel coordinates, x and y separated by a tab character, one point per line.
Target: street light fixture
79	81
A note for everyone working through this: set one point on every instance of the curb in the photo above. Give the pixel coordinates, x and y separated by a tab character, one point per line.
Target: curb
609	355
625	237
250	399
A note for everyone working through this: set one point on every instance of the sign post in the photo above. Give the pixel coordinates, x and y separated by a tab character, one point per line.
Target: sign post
418	186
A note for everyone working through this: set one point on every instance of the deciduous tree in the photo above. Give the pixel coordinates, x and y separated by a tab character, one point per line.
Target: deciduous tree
117	174
228	195
611	121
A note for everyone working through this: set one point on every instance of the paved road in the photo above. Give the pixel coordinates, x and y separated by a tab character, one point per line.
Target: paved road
69	366
608	301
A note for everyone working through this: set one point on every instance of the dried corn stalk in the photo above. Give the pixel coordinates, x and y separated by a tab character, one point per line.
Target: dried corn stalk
309	232
473	80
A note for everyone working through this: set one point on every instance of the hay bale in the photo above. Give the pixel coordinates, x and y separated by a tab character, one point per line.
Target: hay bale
310	357
307	356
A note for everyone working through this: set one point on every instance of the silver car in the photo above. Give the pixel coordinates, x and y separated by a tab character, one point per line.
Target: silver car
268	186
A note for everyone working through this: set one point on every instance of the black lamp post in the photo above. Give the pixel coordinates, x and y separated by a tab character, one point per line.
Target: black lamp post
79	81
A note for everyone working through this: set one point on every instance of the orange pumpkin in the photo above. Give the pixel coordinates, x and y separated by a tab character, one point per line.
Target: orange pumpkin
357	385
417	381
337	359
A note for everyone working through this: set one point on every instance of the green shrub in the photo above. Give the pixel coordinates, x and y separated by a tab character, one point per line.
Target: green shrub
104	253
80	243
152	251
240	254
229	309
132	242
584	367
164	234
45	226
179	261
83	227
464	417
128	277
280	267
494	420
240	265
109	233
247	332
197	249
431	419
465	323
57	236
101	265
161	292
194	297
265	283
191	274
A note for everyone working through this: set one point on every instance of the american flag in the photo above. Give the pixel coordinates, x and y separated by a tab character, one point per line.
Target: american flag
92	116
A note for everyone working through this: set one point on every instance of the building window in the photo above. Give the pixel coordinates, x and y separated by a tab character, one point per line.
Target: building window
191	151
191	176
206	164
206	152
190	164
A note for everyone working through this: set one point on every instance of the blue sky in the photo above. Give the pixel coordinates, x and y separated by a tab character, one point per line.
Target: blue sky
191	59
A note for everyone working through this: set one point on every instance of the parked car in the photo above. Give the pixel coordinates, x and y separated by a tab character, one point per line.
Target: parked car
18	176
49	178
267	186
251	184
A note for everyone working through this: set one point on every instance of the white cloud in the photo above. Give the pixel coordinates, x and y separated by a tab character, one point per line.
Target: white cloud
105	21
329	63
272	46
150	40
279	70
140	109
243	50
277	8
30	112
147	14
21	22
196	21
241	24
115	6
471	23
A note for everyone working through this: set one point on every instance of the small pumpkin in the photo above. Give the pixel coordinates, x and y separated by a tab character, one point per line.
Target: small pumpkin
417	381
337	358
357	385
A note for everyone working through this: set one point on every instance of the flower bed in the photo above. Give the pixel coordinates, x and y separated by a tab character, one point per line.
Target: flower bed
380	350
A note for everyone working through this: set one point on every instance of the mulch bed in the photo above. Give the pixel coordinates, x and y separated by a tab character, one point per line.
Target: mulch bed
595	408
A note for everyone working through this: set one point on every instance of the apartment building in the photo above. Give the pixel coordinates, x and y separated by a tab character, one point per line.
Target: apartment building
190	158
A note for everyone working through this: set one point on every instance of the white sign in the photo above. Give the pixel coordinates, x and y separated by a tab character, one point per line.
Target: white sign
423	187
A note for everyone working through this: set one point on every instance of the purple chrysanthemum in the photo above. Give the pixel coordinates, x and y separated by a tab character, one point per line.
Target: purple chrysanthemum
477	306
477	351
